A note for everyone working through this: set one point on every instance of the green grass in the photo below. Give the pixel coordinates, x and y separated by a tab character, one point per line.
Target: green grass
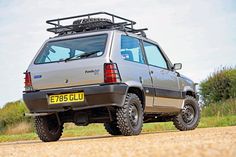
218	121
98	129
18	137
223	108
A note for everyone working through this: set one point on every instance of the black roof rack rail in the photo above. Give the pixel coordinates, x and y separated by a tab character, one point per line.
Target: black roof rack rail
123	24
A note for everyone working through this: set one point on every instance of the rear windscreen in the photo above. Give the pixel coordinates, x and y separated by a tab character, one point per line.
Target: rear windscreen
72	49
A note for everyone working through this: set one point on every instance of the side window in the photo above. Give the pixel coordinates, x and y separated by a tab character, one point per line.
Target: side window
154	55
131	50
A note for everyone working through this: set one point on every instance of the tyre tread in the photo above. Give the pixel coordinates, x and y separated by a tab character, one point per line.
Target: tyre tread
112	128
177	119
41	129
123	118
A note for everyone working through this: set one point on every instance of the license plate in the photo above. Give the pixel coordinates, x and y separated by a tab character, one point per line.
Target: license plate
66	98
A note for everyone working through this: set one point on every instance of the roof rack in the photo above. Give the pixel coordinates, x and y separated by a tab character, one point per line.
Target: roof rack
112	22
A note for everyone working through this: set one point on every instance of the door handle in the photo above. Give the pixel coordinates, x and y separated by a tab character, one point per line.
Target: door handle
151	72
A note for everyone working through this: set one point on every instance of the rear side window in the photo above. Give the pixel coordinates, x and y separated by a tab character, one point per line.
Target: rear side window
78	48
131	50
154	56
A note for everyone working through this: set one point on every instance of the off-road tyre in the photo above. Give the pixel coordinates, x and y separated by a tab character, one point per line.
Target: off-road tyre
184	121
47	128
91	24
126	121
112	128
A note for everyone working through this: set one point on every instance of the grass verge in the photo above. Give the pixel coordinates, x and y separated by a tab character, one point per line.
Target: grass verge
98	129
223	108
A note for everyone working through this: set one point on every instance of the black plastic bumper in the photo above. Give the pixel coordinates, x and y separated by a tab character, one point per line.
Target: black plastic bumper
95	96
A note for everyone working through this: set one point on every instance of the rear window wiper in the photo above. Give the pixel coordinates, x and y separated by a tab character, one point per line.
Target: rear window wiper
84	55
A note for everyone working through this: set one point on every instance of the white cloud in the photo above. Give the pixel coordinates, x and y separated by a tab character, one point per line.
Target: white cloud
200	34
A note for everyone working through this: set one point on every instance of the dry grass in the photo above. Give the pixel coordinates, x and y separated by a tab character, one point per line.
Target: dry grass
20	128
70	126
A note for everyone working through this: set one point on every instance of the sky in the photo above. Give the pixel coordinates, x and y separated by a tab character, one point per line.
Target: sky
198	33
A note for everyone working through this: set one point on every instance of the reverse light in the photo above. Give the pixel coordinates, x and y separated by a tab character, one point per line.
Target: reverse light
111	73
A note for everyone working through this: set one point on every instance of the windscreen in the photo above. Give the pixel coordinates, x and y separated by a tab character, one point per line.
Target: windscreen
72	49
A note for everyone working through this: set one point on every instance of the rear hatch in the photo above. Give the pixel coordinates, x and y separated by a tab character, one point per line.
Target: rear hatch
71	61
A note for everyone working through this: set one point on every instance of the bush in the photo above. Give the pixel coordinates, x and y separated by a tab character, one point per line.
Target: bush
12	113
219	86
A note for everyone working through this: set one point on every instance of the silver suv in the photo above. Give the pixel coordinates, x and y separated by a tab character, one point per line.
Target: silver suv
103	70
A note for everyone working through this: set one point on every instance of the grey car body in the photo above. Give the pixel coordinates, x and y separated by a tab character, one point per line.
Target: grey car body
164	89
142	71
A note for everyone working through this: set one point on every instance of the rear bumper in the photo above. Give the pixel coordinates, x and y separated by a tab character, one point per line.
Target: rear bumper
95	96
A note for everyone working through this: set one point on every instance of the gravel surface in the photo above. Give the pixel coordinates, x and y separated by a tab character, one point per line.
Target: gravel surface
212	142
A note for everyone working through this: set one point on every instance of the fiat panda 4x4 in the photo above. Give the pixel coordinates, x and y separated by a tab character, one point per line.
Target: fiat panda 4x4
103	70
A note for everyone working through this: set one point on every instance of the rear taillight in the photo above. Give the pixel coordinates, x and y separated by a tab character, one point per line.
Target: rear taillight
28	82
111	73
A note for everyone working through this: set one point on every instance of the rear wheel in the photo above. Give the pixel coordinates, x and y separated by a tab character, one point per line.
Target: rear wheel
112	128
47	128
130	116
189	117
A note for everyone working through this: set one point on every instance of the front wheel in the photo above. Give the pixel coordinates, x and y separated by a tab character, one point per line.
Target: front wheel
47	128
130	116
189	117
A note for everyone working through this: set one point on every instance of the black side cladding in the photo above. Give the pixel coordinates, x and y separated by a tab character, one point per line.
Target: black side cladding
165	93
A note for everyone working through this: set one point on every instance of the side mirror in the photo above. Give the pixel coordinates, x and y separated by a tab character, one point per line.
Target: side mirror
177	66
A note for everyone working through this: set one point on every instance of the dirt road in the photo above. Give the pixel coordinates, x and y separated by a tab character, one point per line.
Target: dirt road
212	142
